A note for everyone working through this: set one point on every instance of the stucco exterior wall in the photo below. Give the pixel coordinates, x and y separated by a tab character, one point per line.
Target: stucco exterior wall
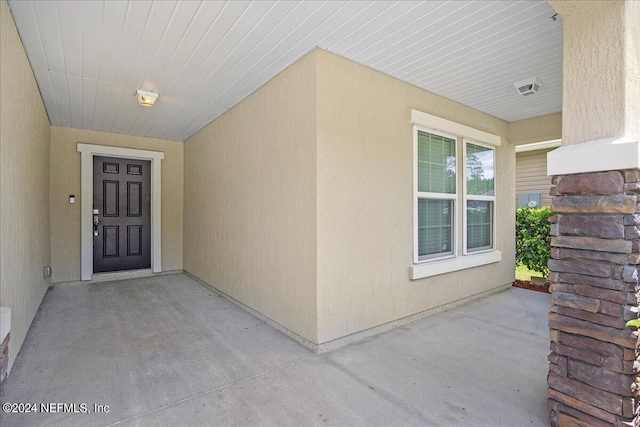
632	82
365	201
536	129
250	201
600	97
24	185
65	180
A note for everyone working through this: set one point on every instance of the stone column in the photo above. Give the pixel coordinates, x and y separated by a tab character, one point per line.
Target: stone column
594	358
595	242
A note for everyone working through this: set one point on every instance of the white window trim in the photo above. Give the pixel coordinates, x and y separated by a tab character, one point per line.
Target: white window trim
460	260
433	122
87	152
466	197
419	271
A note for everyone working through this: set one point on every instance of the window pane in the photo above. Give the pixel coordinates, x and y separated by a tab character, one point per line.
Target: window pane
435	227
480	176
436	163
479	225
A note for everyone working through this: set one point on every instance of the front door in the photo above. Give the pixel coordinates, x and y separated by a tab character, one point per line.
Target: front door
121	214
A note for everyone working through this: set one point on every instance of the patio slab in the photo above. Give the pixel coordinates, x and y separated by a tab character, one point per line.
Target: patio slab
168	351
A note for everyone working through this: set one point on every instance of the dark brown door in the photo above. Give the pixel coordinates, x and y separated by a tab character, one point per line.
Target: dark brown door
121	214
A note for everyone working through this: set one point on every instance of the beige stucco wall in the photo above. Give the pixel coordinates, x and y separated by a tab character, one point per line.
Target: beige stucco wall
250	201
365	201
632	69
24	185
536	129
601	71
65	180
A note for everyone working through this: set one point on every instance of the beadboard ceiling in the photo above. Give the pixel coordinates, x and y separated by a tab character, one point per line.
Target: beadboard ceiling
203	57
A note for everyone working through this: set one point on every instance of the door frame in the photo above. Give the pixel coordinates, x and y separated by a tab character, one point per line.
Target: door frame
87	152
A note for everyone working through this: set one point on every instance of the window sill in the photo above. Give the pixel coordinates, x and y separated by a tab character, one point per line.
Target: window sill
434	268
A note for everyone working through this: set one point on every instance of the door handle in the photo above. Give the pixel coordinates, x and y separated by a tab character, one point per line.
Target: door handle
96	220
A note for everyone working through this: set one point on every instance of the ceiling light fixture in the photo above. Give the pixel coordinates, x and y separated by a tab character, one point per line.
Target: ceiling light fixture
146	99
528	86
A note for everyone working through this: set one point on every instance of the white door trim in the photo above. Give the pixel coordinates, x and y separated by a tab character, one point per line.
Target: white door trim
87	152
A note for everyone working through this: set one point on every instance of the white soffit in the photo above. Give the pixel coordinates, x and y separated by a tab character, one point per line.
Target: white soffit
534	146
90	57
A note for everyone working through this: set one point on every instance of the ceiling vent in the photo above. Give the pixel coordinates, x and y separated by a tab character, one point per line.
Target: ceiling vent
529	86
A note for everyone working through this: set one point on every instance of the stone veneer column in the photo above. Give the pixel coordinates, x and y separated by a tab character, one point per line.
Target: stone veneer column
595	254
595	234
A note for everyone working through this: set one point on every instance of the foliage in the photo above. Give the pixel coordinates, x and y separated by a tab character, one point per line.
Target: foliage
523	273
480	186
635	323
477	184
533	241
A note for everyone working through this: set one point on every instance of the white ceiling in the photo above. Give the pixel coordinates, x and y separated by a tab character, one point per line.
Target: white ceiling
203	57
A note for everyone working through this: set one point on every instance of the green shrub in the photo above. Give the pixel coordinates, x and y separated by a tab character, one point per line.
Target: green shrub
533	241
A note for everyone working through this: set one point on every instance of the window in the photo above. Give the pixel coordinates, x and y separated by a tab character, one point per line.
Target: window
454	196
480	197
436	194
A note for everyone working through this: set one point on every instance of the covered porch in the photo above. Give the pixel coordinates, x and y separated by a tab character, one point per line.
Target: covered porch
168	350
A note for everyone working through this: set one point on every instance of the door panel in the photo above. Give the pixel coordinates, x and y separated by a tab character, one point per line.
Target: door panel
110	240
134	240
122	198
111	198
134	199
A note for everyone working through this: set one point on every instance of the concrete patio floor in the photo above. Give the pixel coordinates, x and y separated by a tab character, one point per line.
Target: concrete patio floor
168	351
